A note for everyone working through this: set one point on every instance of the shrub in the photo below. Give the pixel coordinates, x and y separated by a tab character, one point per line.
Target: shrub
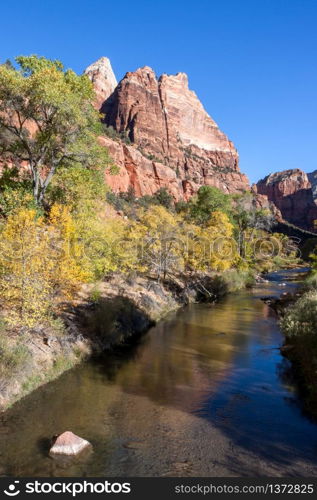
308	248
210	288
112	133
181	207
301	318
15	192
12	357
128	203
116	201
237	279
311	282
163	198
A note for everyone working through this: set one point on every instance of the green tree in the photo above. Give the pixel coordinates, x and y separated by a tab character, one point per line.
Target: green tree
248	219
80	188
209	199
164	198
47	120
15	192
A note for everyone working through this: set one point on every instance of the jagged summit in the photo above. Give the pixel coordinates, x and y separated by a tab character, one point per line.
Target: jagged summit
103	78
182	77
163	115
175	143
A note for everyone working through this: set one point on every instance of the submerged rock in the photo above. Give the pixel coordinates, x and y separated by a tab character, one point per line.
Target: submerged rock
68	444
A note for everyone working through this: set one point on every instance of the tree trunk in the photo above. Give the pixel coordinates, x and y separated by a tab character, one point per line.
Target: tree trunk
36	185
242	244
40	185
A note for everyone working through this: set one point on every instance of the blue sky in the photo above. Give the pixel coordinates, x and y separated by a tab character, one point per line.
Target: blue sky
251	62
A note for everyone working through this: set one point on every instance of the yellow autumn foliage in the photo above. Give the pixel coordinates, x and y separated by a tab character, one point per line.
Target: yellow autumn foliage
40	262
155	237
25	267
222	252
44	261
70	265
166	243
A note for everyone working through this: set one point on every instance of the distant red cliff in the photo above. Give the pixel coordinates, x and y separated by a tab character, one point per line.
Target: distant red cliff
292	193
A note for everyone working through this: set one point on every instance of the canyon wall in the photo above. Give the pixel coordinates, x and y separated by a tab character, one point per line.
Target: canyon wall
312	177
174	143
292	193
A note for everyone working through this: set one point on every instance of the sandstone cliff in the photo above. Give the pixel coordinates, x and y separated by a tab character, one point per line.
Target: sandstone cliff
103	79
291	192
312	177
174	142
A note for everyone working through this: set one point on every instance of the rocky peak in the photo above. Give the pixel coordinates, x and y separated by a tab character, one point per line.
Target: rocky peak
103	79
294	178
291	192
167	123
142	75
180	78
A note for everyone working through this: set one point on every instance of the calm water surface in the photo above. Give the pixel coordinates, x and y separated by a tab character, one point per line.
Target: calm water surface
203	393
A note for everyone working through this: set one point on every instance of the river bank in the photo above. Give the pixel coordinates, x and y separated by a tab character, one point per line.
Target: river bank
196	396
104	316
297	317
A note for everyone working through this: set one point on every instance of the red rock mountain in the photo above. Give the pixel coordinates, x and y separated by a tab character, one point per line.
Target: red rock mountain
175	144
291	191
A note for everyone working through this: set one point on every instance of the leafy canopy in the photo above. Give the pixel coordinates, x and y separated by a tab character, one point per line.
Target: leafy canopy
209	199
41	262
47	120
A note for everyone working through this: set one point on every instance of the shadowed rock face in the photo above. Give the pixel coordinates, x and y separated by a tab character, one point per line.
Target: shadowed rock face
312	177
176	144
292	193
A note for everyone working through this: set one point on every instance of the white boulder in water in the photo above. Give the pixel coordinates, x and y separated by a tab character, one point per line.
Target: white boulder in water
68	444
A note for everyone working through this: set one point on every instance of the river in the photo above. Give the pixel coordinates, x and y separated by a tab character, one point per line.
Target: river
203	393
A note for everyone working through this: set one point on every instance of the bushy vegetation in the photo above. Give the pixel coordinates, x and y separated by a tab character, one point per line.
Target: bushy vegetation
299	324
236	279
13	356
301	318
311	282
47	254
15	191
54	231
128	203
111	132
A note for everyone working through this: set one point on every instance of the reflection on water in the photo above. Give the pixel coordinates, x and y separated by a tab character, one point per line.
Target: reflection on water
200	394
